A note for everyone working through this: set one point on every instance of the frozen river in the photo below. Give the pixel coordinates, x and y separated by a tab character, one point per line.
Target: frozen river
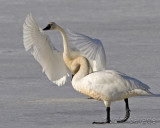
130	32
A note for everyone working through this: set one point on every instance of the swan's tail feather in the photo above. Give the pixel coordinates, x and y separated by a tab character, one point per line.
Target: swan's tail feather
150	94
147	93
140	92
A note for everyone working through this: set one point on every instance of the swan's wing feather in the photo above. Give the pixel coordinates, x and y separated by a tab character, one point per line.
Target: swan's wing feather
44	52
91	48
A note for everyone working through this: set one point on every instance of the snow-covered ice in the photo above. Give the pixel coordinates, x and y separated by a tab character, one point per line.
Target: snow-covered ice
130	32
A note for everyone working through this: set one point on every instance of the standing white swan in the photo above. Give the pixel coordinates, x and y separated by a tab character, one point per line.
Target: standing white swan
51	59
107	85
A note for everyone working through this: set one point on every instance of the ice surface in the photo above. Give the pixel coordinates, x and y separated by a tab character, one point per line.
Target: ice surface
130	32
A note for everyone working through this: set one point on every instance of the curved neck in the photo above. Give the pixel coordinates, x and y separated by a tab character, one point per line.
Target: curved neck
65	41
84	68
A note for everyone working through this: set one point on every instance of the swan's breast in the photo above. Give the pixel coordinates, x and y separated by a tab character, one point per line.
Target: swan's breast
87	90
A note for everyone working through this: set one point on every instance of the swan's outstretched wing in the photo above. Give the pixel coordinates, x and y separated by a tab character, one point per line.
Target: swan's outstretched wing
91	48
48	57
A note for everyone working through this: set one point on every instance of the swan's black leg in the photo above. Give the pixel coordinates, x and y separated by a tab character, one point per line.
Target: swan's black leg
107	119
108	115
127	112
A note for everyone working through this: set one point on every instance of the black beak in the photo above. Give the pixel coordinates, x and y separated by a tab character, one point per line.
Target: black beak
48	27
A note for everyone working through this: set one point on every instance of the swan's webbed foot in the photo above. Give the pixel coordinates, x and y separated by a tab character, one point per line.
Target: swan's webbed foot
107	119
127	112
101	122
126	117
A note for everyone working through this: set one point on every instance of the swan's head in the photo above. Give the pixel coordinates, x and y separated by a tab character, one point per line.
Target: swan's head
51	26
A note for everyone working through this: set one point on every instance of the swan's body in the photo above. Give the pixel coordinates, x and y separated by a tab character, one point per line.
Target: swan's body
51	59
107	86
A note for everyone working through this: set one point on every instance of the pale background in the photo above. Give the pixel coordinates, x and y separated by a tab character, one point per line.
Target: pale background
130	32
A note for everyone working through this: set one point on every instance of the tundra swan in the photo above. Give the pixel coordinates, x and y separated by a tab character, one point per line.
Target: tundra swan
51	60
106	85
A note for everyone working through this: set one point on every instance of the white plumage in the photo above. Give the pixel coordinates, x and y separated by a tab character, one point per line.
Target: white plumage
51	60
110	85
92	49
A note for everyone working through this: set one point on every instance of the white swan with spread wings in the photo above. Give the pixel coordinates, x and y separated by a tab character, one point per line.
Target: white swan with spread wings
51	60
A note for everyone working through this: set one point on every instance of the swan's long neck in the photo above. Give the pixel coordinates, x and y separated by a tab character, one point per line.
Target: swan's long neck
78	66
83	70
66	51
